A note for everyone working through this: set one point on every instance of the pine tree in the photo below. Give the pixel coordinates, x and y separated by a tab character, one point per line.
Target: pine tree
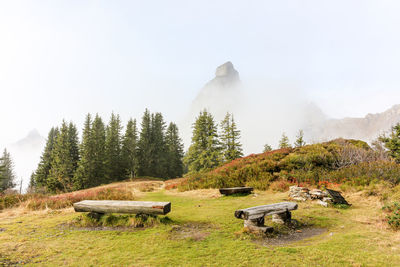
158	146
232	148
73	145
7	171
113	149
300	139
84	175
63	164
129	150
42	172
284	142
98	137
267	148
145	146
392	142
205	151
174	151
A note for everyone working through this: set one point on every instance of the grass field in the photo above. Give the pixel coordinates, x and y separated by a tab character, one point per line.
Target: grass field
202	231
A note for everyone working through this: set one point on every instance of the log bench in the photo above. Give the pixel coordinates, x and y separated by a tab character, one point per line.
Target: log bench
254	217
235	190
119	206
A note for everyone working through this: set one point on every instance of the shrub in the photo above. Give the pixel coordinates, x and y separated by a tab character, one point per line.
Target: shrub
12	200
394	215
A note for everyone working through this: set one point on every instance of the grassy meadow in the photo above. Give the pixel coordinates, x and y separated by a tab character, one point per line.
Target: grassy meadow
201	230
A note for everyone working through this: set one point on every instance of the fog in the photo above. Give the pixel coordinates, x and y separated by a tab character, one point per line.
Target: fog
299	63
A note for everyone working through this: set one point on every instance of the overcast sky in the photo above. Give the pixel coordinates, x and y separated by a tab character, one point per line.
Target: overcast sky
62	59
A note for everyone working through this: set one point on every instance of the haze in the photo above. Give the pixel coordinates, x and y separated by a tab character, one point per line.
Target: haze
63	59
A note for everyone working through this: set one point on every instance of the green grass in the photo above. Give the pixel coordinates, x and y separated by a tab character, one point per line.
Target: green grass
352	237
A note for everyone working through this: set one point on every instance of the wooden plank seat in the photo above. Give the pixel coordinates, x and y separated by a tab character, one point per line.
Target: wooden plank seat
235	190
119	206
254	217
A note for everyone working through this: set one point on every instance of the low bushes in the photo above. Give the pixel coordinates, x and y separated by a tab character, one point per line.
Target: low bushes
12	200
67	200
338	161
40	201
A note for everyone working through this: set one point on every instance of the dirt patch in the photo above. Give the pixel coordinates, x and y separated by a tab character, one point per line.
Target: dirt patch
199	193
193	231
292	236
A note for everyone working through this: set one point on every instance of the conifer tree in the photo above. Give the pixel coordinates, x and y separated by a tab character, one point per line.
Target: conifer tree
113	149
267	148
174	151
129	150
158	146
284	142
145	146
84	175
205	151
98	137
300	139
7	171
392	142
73	145
42	172
64	161
232	148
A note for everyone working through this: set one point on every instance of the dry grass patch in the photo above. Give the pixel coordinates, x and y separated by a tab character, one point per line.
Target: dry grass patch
198	193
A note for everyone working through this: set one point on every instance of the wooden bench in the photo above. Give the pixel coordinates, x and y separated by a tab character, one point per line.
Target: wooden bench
254	217
119	206
235	190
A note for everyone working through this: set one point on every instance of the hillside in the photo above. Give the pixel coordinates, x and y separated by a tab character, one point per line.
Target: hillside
345	162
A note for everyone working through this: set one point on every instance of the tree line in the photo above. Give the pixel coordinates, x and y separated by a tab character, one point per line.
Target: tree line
105	154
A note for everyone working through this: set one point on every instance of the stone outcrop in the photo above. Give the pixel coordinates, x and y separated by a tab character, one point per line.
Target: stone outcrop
303	194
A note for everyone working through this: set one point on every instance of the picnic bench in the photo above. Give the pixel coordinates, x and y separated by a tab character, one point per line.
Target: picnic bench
254	217
235	190
119	206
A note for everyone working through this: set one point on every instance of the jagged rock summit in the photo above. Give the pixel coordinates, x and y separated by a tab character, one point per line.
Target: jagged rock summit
226	77
221	94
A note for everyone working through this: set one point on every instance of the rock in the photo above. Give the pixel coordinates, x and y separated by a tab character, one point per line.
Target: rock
317	194
322	203
226	69
299	198
327	199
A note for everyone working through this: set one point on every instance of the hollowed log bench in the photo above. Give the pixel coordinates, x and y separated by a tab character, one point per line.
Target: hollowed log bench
118	206
235	190
254	217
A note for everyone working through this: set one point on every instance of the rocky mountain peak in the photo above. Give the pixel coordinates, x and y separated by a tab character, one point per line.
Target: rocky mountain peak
226	69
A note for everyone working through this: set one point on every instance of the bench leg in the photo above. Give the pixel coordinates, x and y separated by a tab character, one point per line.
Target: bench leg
282	218
257	226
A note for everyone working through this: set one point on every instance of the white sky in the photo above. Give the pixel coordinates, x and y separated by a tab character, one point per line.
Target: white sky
62	59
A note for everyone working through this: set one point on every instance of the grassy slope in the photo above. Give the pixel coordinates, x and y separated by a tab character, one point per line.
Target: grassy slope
359	237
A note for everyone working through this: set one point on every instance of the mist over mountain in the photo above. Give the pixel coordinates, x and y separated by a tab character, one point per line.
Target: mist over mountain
367	128
221	94
285	109
26	155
